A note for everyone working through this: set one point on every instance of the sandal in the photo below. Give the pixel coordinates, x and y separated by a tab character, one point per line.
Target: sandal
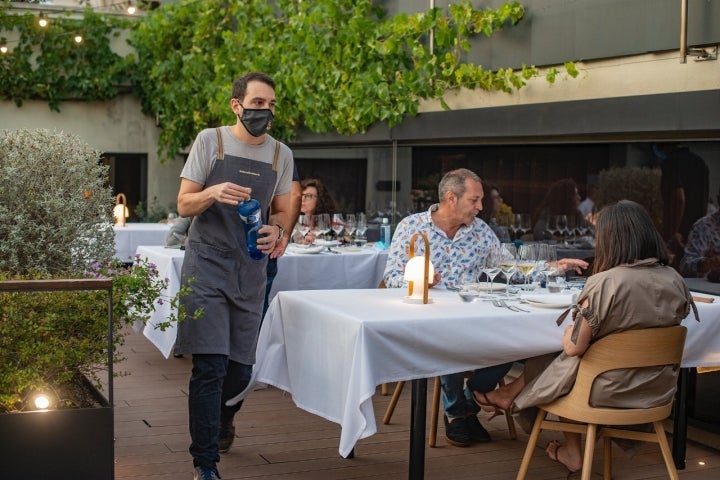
487	405
553	455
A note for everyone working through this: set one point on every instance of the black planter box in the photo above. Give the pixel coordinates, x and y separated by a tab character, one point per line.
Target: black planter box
74	443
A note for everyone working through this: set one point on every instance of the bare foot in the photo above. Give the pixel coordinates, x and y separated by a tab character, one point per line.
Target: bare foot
499	398
561	454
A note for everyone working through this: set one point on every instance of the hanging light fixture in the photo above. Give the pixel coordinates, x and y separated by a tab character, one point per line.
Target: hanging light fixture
131	8
78	38
3	45
42	20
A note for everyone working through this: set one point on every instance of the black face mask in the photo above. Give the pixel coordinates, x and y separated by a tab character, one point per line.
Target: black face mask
256	121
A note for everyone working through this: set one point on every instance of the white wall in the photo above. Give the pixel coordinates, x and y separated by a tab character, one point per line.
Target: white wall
116	126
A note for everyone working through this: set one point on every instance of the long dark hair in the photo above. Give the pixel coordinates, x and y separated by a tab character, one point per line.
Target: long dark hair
560	199
625	233
325	203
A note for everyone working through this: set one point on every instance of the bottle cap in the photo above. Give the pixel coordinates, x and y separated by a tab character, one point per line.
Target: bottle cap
385	220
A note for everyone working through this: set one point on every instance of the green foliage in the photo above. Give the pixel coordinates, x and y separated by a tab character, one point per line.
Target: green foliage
153	212
55	210
340	65
55	204
641	185
48	64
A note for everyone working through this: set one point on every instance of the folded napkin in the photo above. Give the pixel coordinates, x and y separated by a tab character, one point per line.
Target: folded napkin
552	298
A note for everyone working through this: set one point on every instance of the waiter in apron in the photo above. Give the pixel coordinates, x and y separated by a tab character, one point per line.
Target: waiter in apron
226	166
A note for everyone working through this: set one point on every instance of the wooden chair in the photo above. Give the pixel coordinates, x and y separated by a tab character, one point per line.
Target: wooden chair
435	412
629	349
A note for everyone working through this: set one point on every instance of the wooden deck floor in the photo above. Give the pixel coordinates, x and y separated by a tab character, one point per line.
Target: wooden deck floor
275	440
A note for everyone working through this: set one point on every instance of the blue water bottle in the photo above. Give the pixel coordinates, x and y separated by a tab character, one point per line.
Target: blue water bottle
250	214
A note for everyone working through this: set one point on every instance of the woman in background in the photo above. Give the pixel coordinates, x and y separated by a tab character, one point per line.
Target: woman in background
315	200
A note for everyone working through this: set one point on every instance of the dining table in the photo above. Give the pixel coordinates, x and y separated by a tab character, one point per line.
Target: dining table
131	235
301	268
330	350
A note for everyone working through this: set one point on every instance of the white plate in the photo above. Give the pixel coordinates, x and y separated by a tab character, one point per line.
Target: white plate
546	305
483	287
326	243
307	250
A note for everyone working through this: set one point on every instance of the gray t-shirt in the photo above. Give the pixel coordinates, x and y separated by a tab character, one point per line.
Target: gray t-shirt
204	151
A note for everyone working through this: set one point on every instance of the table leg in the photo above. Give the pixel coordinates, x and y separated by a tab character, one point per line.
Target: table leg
680	420
417	429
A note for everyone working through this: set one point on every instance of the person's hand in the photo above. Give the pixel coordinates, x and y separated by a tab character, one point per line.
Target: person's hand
267	238
309	238
576	264
280	247
229	193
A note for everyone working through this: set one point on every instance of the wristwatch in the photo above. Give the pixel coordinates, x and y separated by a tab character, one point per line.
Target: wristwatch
281	230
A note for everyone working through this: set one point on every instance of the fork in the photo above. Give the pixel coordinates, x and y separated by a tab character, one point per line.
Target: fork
512	307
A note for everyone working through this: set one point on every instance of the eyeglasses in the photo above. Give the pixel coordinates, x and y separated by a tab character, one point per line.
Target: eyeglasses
308	196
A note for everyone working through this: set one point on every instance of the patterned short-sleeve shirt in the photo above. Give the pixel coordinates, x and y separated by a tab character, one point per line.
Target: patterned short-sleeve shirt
451	257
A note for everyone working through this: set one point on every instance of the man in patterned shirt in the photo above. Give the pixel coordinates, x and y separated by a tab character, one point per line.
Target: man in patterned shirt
459	243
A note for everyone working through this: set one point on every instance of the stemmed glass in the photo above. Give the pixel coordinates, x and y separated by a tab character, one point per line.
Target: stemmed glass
547	260
562	226
323	223
303	224
350	224
524	223
527	260
361	228
491	268
508	263
338	224
551	225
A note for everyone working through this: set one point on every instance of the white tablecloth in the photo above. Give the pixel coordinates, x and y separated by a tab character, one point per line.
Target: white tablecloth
129	237
361	268
301	271
331	349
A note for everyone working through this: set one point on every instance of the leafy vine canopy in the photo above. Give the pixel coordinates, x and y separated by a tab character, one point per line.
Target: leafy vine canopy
340	65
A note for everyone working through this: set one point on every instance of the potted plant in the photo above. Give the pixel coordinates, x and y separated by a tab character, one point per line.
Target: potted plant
55	222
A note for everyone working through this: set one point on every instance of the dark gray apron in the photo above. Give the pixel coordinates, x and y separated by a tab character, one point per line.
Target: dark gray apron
226	283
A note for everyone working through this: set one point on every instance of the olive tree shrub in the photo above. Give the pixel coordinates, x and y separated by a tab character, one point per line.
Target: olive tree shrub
55	222
55	205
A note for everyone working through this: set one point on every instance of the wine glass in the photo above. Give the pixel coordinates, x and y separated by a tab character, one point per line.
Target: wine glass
303	224
361	229
322	224
338	224
562	226
525	223
547	261
508	263
527	260
490	267
551	225
350	224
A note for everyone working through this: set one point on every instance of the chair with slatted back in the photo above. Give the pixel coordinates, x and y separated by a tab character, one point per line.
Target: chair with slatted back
628	349
435	412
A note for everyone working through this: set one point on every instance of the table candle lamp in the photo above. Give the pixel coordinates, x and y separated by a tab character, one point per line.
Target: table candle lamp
418	272
120	212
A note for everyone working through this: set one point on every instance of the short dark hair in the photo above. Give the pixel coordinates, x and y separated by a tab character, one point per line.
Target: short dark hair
625	233
240	85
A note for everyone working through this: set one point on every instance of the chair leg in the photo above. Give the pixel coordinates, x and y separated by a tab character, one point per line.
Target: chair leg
393	402
434	413
384	389
665	448
508	417
607	455
589	451
532	442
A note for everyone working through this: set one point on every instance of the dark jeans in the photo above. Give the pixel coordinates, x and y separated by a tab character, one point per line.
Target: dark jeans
214	379
458	401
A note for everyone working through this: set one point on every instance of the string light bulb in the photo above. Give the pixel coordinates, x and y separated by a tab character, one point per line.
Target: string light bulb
130	8
3	45
42	20
78	38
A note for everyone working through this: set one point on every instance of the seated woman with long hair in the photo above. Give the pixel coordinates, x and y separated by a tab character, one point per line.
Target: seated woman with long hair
631	287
